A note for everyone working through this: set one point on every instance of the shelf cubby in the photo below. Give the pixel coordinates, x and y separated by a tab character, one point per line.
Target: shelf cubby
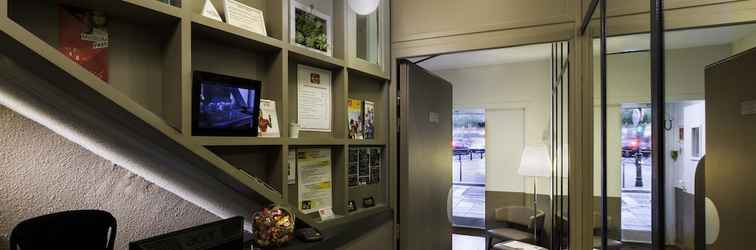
266	65
338	100
362	86
273	12
144	49
338	177
231	35
262	162
334	9
376	190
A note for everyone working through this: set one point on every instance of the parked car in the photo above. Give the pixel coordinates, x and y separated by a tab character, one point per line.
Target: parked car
632	146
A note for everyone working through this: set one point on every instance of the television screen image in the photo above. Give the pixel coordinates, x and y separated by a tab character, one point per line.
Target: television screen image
225	105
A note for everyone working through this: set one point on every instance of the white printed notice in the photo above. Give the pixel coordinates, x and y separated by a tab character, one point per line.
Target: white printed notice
245	17
315	183
313	99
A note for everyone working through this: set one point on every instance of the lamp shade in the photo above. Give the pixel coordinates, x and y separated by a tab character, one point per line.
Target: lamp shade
535	161
364	7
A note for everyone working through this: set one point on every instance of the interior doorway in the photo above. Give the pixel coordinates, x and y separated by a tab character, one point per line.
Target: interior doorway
505	104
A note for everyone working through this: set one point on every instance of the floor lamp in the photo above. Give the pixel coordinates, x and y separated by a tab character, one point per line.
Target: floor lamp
535	163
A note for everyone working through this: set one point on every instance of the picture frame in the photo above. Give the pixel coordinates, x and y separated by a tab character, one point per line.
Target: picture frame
238	14
298	12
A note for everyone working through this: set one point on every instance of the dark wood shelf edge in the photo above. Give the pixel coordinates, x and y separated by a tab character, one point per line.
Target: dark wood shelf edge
339	235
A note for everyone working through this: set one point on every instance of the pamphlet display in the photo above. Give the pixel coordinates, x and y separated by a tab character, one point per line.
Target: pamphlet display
369	121
364	166
310	28
313	99
292	170
209	11
268	124
361	119
238	14
354	110
326	214
83	37
315	183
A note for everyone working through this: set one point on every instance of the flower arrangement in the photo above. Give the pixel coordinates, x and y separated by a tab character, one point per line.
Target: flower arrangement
273	227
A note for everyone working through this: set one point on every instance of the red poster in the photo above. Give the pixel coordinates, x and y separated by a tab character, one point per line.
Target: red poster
84	38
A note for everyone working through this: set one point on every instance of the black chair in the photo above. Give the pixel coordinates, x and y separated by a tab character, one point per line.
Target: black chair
80	229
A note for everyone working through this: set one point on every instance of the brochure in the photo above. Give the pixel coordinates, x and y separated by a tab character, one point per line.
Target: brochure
369	121
315	190
354	110
83	37
268	124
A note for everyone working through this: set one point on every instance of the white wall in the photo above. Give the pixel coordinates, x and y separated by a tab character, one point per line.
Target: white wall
42	172
508	87
694	116
504	145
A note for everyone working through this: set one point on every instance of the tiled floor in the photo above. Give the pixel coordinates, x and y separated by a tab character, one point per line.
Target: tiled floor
469	208
473	171
636	201
466	242
469	202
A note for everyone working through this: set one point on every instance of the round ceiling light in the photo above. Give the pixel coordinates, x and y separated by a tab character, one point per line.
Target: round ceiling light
364	7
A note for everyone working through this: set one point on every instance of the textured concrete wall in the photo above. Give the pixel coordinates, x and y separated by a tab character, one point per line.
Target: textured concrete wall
42	172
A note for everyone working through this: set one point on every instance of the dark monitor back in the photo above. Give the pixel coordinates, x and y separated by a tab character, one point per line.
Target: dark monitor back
221	235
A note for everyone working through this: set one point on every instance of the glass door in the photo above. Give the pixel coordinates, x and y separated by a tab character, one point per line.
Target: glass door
624	129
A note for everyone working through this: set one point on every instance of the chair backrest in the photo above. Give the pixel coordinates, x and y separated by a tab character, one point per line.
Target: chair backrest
80	229
522	216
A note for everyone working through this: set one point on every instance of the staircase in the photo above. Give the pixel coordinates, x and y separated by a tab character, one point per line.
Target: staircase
42	84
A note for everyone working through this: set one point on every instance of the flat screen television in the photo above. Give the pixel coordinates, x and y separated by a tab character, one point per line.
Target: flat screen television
224	105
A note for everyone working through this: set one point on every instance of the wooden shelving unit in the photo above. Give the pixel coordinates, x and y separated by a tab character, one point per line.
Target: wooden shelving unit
155	47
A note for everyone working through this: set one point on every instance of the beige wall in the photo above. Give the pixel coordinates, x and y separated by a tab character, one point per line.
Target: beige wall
744	44
512	86
423	19
42	172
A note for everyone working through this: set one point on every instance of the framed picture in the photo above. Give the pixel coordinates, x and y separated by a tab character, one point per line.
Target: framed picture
245	17
237	14
310	28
